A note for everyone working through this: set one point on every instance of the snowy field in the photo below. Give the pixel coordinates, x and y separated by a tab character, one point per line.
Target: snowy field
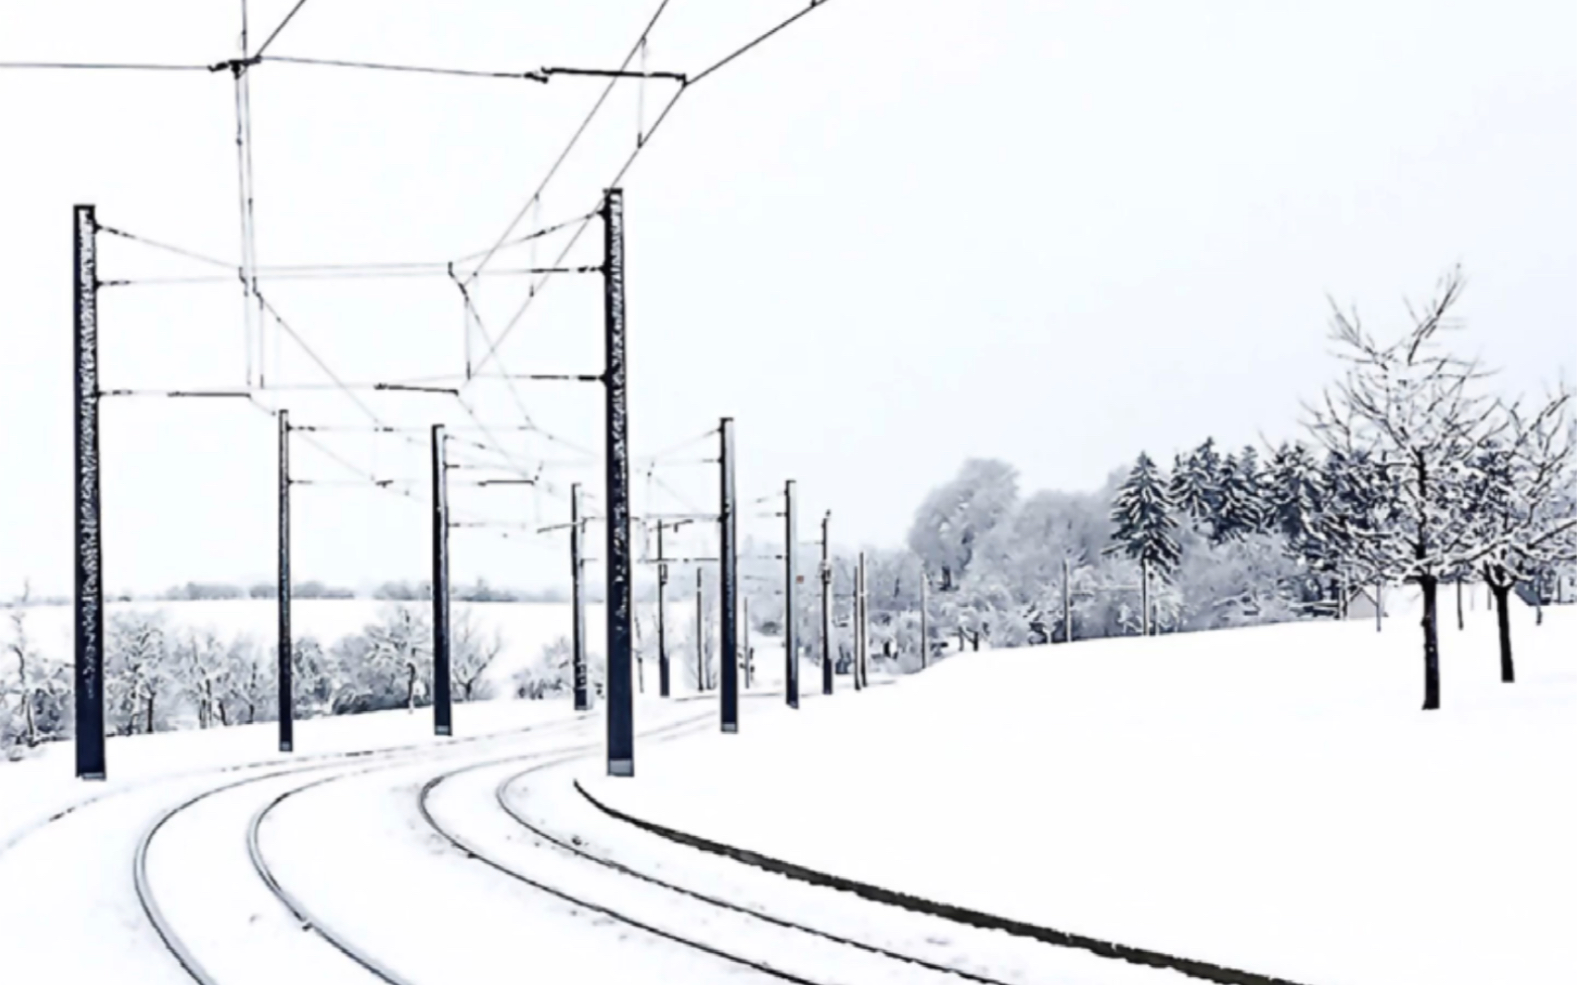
1270	799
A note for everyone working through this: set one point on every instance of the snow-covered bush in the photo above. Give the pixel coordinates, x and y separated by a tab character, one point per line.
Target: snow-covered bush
40	691
139	675
547	675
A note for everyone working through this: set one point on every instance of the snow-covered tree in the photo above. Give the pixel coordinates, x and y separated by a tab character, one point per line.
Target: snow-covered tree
1419	412
1142	513
388	665
471	653
1195	487
42	690
137	673
955	516
1522	488
1242	511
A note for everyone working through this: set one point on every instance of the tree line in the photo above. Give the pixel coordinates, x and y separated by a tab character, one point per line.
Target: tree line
1412	470
159	677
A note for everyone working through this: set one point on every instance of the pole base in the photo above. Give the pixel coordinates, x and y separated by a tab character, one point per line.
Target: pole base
621	767
730	728
286	747
90	776
443	730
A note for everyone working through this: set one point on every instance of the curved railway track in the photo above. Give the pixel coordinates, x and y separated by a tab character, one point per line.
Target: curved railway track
386	759
348	765
501	794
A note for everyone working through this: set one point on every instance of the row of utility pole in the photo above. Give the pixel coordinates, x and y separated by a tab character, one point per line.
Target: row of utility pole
617	558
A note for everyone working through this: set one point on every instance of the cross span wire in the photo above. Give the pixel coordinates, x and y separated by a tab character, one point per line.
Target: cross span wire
691	82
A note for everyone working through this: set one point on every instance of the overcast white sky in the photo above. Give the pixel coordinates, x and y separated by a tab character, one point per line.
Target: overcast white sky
902	233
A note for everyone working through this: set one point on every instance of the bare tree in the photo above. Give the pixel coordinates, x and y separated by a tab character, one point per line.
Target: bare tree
471	654
203	669
1524	486
22	650
1419	414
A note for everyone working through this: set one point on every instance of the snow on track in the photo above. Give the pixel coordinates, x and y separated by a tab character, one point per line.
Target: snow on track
908	946
359	853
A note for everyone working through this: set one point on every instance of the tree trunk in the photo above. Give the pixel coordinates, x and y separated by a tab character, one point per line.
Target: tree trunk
150	713
27	697
224	718
1429	584
1508	672
410	687
1460	623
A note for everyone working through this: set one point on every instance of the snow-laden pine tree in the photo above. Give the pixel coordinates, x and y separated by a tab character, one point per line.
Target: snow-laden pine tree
1195	487
1142	513
1242	511
1417	412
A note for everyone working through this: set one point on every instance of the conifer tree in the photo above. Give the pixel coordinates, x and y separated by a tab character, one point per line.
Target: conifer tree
1194	488
1142	513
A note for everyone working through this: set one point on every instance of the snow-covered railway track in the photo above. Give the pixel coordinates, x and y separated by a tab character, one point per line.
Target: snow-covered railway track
501	796
774	946
342	942
348	766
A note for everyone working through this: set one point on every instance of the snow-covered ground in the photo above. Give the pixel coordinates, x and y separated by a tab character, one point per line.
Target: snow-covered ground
1270	799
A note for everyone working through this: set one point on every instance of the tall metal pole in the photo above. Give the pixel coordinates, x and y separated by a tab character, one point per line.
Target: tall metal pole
864	630
442	721
925	626
662	614
287	714
621	699
744	646
89	606
826	607
1144	596
577	604
728	593
854	630
1067	601
790	644
700	632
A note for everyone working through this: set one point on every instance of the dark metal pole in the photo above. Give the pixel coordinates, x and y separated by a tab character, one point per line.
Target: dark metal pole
89	608
826	607
662	614
749	658
790	644
577	605
1067	601
700	633
864	628
287	711
728	594
1144	596
442	722
621	700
